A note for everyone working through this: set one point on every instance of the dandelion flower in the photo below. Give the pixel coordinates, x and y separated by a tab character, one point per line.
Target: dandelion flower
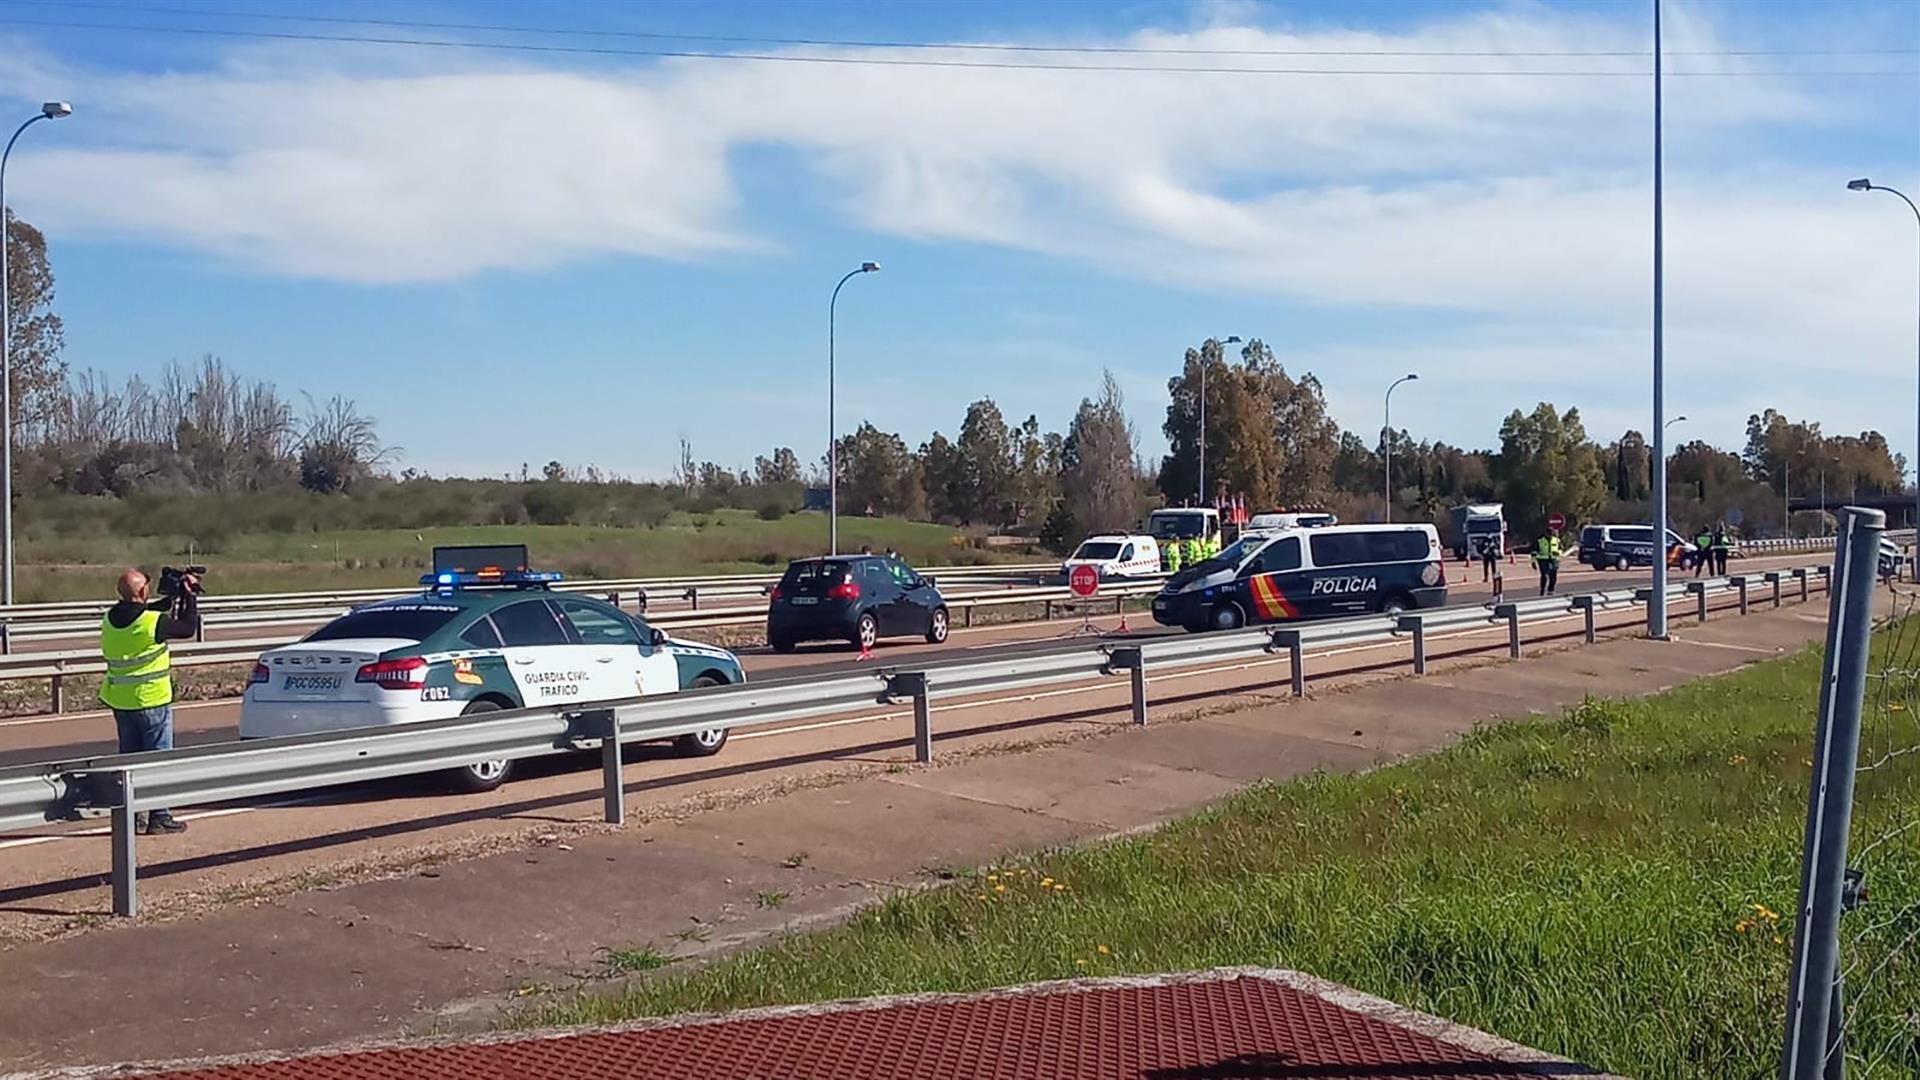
982	896
1737	759
1046	882
1742	926
1778	940
999	888
1081	962
1102	950
1059	888
993	877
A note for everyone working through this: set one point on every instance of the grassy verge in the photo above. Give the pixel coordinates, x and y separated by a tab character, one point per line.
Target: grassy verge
1602	885
724	541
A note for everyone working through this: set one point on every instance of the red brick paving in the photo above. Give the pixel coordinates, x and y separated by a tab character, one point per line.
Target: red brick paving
1234	1023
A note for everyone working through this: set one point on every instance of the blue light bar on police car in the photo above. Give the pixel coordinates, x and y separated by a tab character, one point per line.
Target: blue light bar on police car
449	579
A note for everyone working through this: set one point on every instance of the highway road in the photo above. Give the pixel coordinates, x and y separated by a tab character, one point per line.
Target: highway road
77	735
49	878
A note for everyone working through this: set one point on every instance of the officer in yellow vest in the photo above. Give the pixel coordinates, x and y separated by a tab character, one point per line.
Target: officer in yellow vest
138	686
1546	555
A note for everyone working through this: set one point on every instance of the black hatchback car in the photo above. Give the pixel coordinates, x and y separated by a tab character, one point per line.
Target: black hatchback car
855	598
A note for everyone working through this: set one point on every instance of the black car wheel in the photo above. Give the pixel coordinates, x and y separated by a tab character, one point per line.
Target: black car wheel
1226	617
780	644
482	776
702	743
937	627
866	631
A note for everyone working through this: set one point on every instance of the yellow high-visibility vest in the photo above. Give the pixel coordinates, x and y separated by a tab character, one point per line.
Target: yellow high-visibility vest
139	664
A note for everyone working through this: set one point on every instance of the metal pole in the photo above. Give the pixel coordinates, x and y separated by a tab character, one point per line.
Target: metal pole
833	428
1203	425
6	377
126	863
1387	442
1816	942
1868	186
1657	604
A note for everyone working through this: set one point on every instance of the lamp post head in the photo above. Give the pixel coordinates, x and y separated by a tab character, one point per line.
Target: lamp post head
54	110
1230	339
1411	377
869	267
1862	184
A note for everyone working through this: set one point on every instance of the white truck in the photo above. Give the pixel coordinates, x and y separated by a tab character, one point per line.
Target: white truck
1476	524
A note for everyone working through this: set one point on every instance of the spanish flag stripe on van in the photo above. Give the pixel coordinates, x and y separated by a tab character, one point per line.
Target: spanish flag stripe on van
1269	602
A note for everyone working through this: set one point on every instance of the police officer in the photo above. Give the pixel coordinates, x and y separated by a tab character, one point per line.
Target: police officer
1546	555
1722	548
1489	557
1173	556
1702	550
139	682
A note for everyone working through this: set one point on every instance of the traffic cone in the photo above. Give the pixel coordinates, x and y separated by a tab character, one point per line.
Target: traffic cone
1122	628
866	652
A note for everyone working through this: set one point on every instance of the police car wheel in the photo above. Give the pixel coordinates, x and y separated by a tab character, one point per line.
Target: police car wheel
482	776
702	743
1619	562
937	627
1395	604
1226	617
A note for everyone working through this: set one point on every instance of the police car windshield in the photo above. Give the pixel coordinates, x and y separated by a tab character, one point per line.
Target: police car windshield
1236	553
413	622
1098	550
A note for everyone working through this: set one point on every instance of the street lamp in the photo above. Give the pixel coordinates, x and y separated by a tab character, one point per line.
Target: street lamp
1231	339
52	110
1864	184
833	429
1387	440
1675	420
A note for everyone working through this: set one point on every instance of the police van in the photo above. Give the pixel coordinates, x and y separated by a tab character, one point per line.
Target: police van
1308	573
487	634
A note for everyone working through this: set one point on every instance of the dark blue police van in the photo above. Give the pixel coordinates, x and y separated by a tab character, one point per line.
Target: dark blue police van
1308	574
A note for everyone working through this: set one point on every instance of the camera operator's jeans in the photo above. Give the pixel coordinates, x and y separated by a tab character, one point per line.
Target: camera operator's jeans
145	729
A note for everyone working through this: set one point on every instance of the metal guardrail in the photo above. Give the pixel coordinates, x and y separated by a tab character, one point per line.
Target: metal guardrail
123	785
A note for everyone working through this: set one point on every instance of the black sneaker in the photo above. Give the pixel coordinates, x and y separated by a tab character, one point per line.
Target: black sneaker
164	823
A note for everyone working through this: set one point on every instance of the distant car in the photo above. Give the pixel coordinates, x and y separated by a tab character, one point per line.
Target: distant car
475	642
1116	555
853	598
1622	547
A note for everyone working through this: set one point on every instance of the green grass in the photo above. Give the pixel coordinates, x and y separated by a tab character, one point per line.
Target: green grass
1596	885
723	541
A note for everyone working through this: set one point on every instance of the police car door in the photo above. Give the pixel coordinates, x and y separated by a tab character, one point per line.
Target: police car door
623	665
544	657
1271	581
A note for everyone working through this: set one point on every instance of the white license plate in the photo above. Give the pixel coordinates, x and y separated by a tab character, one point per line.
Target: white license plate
803	601
309	684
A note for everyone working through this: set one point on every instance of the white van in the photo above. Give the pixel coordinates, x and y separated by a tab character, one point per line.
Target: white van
1116	555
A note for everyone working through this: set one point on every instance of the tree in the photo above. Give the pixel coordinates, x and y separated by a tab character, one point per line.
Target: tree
1632	466
877	474
339	449
553	472
1546	464
35	335
782	468
1036	481
943	474
986	453
1100	484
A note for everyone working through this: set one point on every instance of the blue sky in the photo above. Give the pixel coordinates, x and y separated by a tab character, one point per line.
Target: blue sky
515	256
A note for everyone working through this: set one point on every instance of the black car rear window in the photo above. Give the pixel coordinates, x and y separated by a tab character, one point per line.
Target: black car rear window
414	622
814	577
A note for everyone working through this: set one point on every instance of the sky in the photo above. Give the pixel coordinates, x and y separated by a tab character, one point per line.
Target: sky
539	239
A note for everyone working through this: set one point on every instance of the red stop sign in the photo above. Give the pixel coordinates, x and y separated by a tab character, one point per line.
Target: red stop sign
1084	580
1556	520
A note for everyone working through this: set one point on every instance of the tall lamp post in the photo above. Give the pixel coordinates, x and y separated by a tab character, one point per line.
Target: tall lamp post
1231	339
1387	440
52	110
833	427
1657	602
1864	184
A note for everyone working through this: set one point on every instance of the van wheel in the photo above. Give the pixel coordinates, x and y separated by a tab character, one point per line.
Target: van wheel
1395	604
1619	562
1226	617
481	776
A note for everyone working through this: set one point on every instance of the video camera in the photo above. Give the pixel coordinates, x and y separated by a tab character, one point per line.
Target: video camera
173	581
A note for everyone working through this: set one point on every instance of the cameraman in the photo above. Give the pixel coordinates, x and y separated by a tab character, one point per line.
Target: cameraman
139	683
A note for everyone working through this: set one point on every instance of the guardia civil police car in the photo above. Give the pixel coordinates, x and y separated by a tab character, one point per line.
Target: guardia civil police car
486	635
1307	573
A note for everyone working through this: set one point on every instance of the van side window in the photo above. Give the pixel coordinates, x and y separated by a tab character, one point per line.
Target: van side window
1281	556
1350	549
1126	553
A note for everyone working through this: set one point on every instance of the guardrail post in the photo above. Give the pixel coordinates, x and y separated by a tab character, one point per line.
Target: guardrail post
59	694
126	867
1800	575
1826	576
913	684
1511	613
604	724
1699	591
6	637
640	601
1418	625
692	597
200	630
1296	656
1584	605
1772	577
966	616
1740	583
1049	610
1130	659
